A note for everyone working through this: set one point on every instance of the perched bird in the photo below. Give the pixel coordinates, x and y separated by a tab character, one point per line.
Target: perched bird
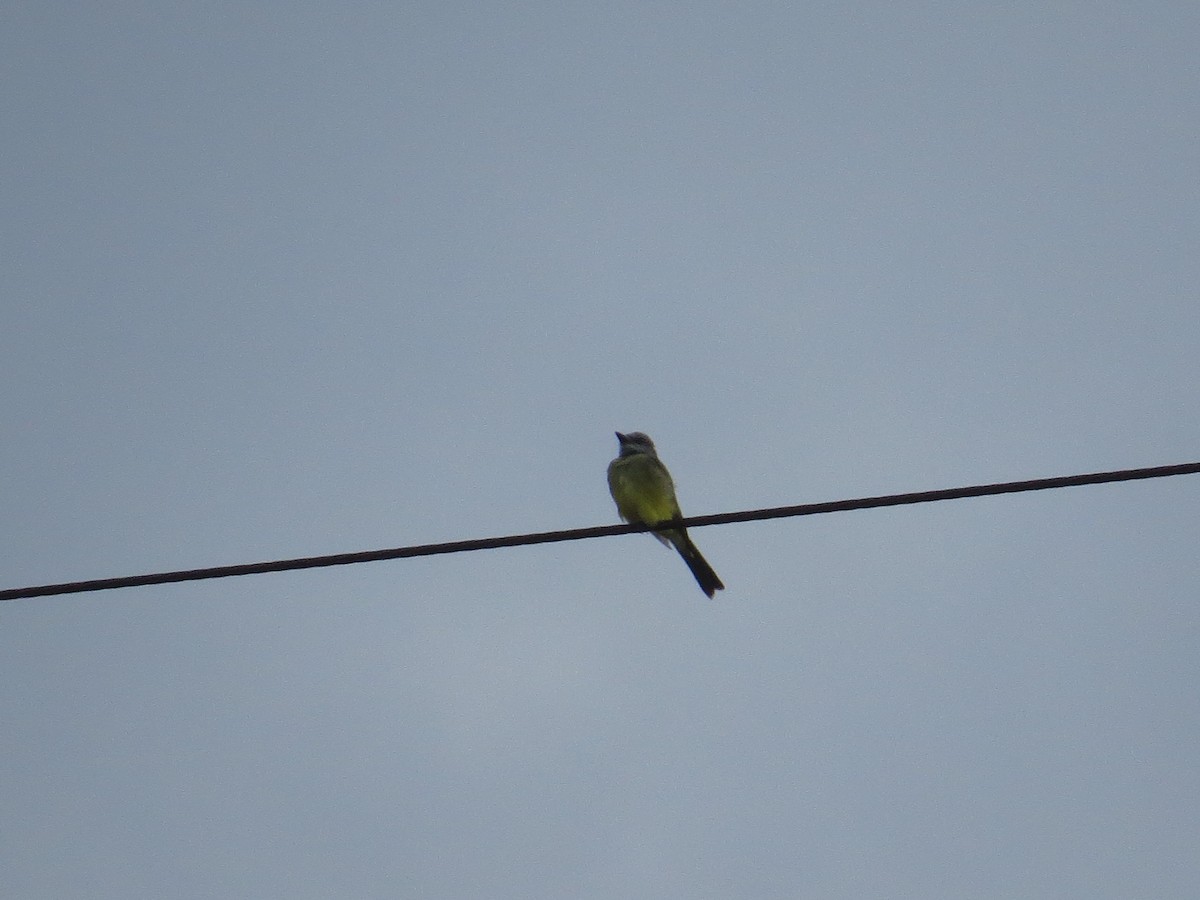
644	493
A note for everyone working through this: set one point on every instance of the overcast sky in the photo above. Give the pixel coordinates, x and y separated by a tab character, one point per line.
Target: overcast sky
283	279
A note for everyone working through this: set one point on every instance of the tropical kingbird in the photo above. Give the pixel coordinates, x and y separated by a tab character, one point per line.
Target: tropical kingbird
645	494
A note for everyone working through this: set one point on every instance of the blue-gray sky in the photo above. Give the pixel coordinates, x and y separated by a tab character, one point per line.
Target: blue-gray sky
284	279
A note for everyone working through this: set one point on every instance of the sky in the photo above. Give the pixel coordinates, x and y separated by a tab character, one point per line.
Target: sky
288	279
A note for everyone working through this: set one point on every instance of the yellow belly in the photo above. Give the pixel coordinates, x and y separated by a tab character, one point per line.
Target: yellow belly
642	489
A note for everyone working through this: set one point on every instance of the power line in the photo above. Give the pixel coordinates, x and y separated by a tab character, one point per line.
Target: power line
578	534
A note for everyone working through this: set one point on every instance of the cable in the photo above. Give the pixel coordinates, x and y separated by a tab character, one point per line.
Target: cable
578	534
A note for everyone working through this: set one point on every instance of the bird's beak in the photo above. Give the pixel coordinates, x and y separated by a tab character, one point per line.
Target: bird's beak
620	437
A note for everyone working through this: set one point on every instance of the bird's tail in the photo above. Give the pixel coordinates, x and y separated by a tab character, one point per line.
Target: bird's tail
703	572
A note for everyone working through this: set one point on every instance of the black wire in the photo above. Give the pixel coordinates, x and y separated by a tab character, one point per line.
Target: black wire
578	534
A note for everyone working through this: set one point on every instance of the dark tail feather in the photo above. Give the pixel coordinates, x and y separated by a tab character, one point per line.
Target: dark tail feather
705	576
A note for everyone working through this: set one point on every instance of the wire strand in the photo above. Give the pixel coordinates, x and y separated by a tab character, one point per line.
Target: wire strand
578	534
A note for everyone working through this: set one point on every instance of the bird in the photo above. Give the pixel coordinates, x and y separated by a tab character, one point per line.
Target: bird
644	493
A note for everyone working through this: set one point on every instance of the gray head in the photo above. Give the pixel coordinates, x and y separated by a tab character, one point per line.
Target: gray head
636	442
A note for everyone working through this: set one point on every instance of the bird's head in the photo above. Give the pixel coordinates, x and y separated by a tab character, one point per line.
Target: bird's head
636	442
